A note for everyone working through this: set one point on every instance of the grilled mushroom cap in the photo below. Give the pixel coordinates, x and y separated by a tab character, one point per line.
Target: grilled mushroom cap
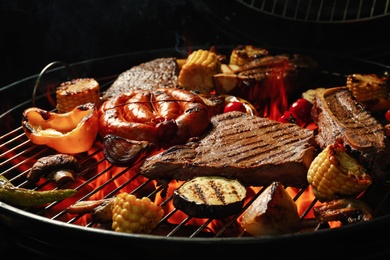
59	168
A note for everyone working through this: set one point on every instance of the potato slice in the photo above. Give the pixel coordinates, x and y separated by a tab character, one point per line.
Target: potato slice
273	213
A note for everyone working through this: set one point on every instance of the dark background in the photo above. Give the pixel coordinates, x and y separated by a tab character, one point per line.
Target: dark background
35	33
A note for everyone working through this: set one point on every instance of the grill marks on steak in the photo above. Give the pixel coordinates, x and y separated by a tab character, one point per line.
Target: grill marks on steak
151	75
255	150
339	110
340	116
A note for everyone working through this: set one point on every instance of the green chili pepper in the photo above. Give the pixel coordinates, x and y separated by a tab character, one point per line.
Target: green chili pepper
28	198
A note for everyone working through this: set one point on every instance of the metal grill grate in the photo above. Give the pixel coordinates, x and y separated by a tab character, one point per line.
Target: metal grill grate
324	11
18	155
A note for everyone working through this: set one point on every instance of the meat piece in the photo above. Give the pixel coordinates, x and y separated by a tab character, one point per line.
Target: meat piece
164	117
258	80
340	116
255	150
157	73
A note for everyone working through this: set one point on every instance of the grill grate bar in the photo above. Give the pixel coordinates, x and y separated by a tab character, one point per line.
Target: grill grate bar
325	11
80	188
179	226
201	228
19	154
96	168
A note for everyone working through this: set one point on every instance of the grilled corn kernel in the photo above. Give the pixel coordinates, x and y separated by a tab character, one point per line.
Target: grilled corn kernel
244	54
335	173
77	92
368	87
198	70
133	215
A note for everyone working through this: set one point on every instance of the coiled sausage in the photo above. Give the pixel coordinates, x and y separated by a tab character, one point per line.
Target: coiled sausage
163	116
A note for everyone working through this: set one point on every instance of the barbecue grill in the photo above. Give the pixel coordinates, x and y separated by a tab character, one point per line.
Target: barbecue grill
42	227
50	231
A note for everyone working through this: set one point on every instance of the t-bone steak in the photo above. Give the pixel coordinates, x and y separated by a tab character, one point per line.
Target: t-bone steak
340	116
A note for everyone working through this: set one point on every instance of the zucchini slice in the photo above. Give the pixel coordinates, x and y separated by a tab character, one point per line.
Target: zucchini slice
210	197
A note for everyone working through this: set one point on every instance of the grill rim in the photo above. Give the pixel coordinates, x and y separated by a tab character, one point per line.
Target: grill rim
22	217
360	236
316	11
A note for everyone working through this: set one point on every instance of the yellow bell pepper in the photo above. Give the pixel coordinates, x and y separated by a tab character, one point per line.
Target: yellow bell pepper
71	132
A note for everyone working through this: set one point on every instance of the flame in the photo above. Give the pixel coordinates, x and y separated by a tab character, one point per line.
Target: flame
270	96
276	84
304	200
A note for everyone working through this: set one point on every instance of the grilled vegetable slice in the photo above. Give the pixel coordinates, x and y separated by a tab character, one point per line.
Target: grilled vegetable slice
334	173
124	152
274	212
133	215
71	94
72	132
210	197
197	73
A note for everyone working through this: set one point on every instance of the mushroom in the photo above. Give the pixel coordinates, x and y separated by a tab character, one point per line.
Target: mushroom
101	210
345	210
59	168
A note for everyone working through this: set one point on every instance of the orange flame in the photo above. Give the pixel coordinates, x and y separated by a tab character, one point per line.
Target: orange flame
277	87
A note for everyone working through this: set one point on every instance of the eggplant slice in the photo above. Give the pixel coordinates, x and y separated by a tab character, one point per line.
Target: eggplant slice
210	197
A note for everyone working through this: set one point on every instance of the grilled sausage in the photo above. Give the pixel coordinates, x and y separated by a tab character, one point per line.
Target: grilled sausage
163	116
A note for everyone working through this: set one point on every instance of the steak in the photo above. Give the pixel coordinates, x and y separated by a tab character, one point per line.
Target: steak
157	73
255	150
340	116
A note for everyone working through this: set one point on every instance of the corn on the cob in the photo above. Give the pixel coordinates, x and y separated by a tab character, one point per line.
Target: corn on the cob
335	173
133	215
368	87
244	54
77	92
198	70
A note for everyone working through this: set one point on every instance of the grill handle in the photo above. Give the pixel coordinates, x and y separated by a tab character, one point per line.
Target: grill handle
70	71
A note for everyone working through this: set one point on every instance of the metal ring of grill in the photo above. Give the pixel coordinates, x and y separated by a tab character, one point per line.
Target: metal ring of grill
12	148
324	11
